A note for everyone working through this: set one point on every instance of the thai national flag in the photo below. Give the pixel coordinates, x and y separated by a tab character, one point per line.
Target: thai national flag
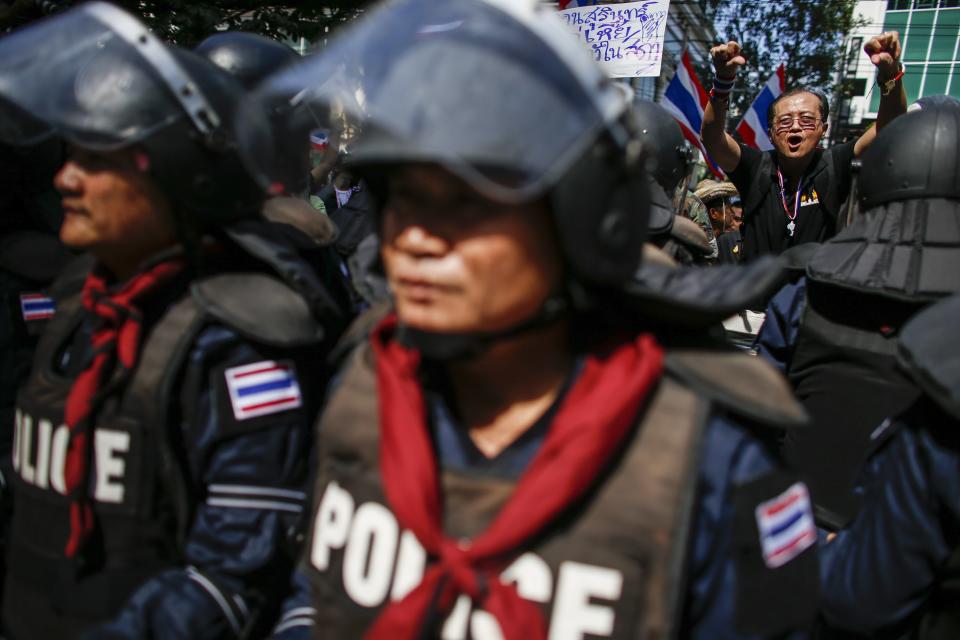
754	126
262	388
786	526
36	306
686	99
318	140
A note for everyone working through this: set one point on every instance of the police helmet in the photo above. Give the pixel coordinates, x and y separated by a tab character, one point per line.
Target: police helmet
914	156
100	80
497	91
906	245
246	56
668	158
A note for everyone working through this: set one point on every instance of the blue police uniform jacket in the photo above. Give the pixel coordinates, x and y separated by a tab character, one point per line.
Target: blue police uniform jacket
242	428
890	566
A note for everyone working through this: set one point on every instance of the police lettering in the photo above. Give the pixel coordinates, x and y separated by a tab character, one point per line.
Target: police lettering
40	453
380	560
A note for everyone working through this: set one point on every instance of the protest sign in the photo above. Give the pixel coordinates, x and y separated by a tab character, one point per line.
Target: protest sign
626	38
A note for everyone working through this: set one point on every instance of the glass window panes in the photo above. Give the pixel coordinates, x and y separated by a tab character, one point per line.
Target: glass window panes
935	82
955	82
911	82
945	34
918	36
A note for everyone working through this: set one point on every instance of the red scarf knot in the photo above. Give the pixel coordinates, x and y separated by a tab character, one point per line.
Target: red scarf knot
456	564
591	425
116	336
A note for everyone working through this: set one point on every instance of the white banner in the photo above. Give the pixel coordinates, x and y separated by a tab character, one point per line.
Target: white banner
625	38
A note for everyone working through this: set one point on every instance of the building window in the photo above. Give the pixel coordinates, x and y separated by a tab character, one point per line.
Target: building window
853	55
945	35
898	5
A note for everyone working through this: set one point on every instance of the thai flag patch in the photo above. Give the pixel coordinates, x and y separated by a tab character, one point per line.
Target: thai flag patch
263	388
786	526
36	306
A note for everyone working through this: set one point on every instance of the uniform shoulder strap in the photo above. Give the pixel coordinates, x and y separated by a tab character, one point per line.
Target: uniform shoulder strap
742	384
357	333
929	351
665	460
153	387
260	307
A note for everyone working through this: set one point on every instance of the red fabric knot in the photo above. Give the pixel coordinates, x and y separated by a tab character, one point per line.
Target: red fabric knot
591	423
456	564
116	336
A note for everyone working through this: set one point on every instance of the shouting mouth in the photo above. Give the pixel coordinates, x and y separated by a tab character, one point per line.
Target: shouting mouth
794	140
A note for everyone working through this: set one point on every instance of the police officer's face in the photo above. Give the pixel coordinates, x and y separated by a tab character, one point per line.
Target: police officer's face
797	127
112	208
458	262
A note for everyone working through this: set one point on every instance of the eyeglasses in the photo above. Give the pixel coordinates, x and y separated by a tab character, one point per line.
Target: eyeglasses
806	122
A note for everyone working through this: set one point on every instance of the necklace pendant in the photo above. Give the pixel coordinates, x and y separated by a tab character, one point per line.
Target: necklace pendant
791	227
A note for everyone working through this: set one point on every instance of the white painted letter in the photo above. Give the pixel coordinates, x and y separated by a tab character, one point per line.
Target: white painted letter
371	552
27	468
331	525
110	466
411	563
44	433
17	426
532	575
58	459
574	616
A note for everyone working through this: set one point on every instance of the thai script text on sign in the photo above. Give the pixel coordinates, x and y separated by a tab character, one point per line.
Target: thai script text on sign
626	38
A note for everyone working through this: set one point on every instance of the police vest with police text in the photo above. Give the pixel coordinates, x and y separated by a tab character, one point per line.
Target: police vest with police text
140	493
610	566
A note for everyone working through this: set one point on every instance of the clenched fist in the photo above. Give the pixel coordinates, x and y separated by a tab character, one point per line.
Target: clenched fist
884	52
727	59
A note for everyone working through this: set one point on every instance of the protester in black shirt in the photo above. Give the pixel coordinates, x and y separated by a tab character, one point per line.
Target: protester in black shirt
792	193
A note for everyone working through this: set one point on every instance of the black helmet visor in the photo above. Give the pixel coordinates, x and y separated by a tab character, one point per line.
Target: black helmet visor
97	77
498	92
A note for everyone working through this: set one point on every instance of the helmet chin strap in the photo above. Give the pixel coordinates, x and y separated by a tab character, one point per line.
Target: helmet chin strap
449	347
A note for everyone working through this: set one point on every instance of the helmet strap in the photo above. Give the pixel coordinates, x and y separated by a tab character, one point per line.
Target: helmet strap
464	346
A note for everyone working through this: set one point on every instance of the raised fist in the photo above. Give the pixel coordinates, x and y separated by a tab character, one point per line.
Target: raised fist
884	52
727	59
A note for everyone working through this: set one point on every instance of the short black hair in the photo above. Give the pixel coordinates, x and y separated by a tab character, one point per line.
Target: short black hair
824	103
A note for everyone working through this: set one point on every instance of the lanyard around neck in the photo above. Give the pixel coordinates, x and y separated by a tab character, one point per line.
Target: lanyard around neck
796	198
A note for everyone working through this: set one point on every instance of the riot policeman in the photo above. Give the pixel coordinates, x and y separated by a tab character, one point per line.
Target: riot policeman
893	571
248	57
534	457
835	331
669	163
162	435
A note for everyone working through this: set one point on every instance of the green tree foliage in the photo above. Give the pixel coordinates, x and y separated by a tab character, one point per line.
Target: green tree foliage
187	22
807	35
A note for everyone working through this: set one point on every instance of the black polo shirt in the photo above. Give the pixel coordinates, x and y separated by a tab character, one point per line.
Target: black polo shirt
764	229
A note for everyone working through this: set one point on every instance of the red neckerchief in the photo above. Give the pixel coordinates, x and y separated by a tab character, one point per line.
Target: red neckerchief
591	423
116	342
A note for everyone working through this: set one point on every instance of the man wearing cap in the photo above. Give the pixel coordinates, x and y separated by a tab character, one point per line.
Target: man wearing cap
793	192
714	196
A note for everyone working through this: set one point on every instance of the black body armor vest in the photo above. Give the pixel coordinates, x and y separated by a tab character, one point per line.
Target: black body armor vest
844	373
139	490
136	487
610	566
